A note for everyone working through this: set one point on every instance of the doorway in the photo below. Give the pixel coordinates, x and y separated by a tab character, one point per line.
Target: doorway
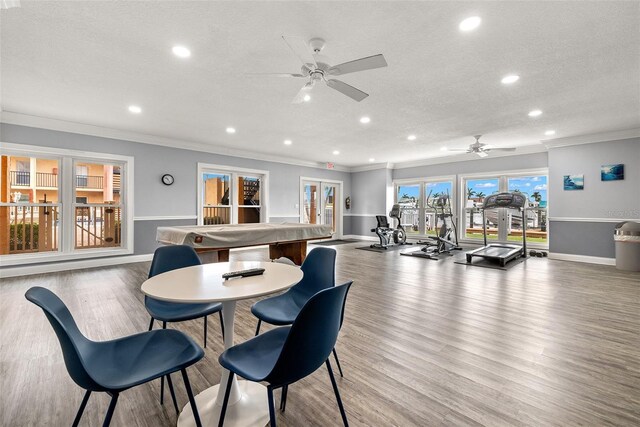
320	203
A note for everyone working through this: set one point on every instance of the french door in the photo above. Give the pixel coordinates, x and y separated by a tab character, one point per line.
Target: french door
320	204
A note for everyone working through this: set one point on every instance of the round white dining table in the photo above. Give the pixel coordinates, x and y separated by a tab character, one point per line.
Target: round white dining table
248	405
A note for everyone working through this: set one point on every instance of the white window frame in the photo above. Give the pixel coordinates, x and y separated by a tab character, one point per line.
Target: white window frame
503	185
422	206
234	173
66	194
338	201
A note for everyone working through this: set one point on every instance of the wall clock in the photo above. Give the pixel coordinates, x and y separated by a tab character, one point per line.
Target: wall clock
167	179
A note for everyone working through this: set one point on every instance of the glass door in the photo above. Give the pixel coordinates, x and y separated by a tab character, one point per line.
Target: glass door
320	203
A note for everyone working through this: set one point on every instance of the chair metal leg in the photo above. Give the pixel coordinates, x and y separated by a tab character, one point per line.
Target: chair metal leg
205	331
173	394
335	356
164	326
192	400
258	327
335	390
227	392
151	323
112	407
85	399
283	398
272	409
221	324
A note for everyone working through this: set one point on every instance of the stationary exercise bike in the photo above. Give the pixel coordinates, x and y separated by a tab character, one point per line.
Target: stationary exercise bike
389	236
447	238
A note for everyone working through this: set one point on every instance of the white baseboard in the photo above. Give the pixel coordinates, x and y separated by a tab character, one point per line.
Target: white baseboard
26	270
357	237
582	258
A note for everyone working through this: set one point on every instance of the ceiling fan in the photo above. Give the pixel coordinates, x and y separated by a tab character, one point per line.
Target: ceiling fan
316	68
481	149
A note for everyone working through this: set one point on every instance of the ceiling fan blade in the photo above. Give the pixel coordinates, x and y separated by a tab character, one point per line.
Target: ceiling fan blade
501	149
301	49
466	150
275	74
299	98
482	153
346	89
362	64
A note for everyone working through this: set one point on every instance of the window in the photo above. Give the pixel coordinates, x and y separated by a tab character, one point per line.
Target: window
506	224
98	207
418	199
61	204
231	195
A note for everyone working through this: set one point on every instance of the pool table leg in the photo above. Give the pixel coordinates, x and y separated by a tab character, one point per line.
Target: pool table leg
295	251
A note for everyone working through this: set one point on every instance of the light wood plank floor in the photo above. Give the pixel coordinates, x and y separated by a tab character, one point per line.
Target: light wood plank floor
424	343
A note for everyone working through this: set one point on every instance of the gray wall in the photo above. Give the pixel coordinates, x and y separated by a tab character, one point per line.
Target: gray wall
488	164
582	221
368	199
152	198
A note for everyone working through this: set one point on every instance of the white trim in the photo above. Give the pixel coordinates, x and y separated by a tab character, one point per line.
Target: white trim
66	159
522	150
20	119
616	135
582	258
72	265
569	219
371	167
367	215
233	173
285	216
359	237
337	201
164	218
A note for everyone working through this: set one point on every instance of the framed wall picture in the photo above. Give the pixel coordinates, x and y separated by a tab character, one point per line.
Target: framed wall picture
574	182
612	172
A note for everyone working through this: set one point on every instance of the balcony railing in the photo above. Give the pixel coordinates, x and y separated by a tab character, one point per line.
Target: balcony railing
33	227
89	181
98	226
216	215
20	178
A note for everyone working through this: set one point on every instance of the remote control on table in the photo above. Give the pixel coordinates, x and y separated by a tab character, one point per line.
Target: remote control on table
243	273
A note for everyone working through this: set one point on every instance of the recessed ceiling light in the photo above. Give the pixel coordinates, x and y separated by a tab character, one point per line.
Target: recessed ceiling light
443	148
470	23
364	120
534	113
372	159
135	109
336	152
411	137
550	132
307	98
511	78
231	130
181	51
287	142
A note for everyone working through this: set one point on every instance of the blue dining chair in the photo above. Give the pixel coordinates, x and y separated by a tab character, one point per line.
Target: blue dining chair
288	354
319	268
117	365
167	258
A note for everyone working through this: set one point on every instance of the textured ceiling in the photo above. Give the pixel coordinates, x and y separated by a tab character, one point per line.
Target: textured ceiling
85	62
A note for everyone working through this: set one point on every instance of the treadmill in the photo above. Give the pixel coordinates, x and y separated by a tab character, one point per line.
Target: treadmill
502	252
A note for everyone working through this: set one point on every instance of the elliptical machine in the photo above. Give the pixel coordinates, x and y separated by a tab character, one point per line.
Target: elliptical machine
389	236
447	238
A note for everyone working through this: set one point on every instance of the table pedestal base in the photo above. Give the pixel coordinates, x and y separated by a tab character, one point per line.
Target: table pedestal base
252	410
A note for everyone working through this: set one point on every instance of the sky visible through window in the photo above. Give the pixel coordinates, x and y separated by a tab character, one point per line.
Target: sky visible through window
530	185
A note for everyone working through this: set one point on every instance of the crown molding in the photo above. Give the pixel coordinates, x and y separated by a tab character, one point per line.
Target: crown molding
615	135
13	118
467	157
371	167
